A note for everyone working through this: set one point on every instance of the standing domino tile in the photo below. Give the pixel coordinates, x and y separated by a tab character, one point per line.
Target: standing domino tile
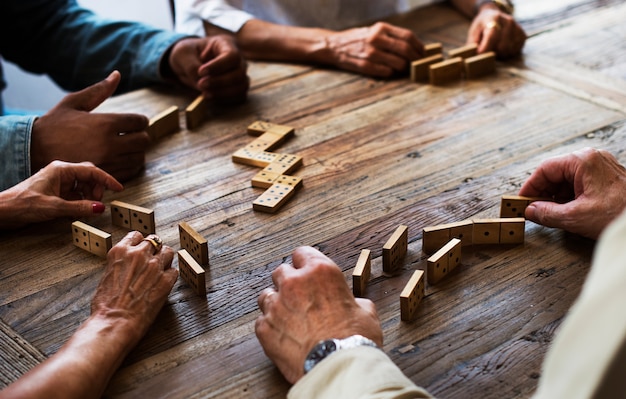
420	68
514	206
480	65
395	248
133	217
164	123
467	51
446	71
277	195
361	273
194	243
191	272
196	112
444	261
486	231
435	237
432	49
90	239
411	296
512	230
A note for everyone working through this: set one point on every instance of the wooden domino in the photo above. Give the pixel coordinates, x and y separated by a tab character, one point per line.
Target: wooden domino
420	68
264	179
435	237
446	71
432	49
277	195
486	231
513	206
259	127
164	123
90	239
191	272
512	230
411	296
284	164
467	51
196	112
442	262
251	158
196	245
480	65
361	273
265	142
133	217
395	249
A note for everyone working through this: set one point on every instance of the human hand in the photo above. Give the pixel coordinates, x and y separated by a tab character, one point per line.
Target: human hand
589	187
378	50
60	189
134	287
69	132
212	65
311	302
494	30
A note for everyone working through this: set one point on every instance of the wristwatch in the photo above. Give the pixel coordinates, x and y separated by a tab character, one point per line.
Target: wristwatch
505	6
326	347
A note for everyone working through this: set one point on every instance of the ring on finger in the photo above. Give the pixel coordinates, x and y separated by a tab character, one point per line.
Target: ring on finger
493	25
155	241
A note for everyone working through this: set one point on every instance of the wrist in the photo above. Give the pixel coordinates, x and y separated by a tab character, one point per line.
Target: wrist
325	348
505	6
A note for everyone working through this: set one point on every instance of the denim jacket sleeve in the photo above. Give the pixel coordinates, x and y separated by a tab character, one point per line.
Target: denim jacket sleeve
15	134
76	48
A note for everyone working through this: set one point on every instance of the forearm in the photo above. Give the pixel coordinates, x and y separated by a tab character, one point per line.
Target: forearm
258	39
82	367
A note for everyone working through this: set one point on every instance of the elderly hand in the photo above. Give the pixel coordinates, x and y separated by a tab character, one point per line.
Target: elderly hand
69	132
61	189
494	30
589	187
212	65
311	302
379	50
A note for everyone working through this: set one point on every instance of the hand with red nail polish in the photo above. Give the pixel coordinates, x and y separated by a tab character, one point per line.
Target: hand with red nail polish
61	189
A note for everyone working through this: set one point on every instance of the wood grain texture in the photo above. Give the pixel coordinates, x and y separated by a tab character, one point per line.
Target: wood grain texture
376	154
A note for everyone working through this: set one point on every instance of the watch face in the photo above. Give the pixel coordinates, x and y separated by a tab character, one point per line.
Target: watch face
318	353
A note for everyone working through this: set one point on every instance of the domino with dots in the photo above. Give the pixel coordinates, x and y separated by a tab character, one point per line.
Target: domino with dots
420	68
260	159
133	217
395	249
259	127
446	71
265	142
435	237
191	272
362	272
480	65
196	112
91	239
277	194
196	245
499	231
442	262
512	206
164	123
411	296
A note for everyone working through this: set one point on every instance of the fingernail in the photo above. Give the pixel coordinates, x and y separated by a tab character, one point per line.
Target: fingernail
530	212
97	207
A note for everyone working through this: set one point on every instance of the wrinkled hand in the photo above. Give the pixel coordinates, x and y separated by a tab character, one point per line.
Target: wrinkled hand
212	65
379	50
589	187
311	302
494	30
69	132
134	287
60	189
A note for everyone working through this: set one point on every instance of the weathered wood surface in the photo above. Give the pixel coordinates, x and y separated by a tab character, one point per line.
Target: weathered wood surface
376	154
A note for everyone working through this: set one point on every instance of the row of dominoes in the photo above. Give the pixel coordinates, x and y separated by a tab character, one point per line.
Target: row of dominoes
275	176
194	253
168	121
461	61
394	251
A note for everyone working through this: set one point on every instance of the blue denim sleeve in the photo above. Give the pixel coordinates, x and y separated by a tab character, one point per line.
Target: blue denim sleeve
76	48
15	132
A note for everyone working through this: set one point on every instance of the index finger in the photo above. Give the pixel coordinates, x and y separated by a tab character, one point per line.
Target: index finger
224	62
410	47
548	177
86	172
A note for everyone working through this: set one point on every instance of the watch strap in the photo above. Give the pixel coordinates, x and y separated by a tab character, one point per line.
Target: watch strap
326	347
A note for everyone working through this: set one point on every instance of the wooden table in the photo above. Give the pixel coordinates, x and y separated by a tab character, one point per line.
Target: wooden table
377	154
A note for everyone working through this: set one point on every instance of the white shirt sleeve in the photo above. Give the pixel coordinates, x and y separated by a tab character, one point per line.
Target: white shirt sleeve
226	14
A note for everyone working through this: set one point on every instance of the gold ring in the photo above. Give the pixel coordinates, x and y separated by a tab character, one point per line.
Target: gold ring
493	25
156	242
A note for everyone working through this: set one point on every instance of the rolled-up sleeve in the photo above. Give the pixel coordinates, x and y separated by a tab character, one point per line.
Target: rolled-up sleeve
223	14
15	132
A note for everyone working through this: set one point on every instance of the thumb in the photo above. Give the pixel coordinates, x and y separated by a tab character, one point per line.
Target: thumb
92	96
545	213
